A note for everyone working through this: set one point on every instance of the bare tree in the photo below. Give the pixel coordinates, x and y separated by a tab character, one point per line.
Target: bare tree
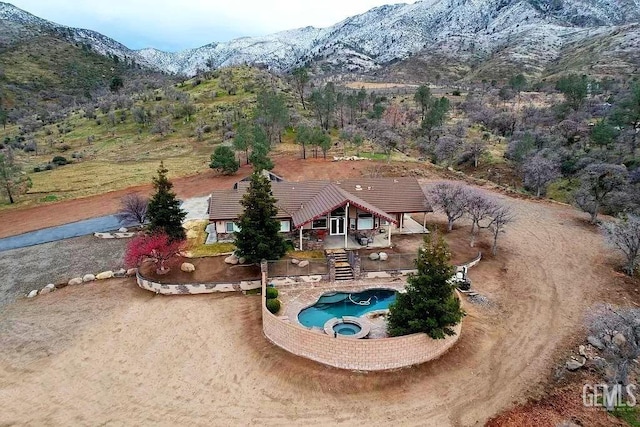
162	126
539	171
479	207
598	182
447	149
133	209
625	236
475	148
500	215
618	331
451	199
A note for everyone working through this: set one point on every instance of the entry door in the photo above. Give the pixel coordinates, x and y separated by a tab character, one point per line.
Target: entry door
337	226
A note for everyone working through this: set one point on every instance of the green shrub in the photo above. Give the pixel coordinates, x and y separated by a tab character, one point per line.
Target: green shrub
272	293
273	305
59	161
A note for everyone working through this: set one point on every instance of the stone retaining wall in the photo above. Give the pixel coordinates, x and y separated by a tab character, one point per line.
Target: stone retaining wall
196	288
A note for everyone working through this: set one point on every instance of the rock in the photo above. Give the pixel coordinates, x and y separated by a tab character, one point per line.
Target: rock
132	272
383	256
123	230
49	288
33	293
188	267
582	351
75	281
595	342
295	261
242	260
120	273
105	275
574	365
303	263
374	256
231	259
619	340
88	278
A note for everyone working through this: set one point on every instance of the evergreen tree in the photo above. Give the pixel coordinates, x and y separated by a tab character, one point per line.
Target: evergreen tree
259	236
259	157
224	159
430	304
164	213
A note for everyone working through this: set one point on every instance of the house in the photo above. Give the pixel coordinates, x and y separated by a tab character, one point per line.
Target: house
318	214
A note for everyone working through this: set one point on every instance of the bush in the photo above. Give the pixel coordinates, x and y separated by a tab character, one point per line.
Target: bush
59	161
456	92
272	293
273	305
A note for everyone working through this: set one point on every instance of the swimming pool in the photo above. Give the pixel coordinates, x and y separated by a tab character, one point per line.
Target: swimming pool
340	304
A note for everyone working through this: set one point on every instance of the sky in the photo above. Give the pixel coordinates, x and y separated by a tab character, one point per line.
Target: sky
173	25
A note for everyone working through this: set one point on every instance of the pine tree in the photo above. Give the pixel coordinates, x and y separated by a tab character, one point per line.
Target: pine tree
164	211
429	304
259	236
224	159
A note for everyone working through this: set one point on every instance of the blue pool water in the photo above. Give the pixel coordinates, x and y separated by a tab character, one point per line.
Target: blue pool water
339	304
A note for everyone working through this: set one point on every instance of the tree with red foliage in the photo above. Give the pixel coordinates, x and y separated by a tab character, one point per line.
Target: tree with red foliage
158	248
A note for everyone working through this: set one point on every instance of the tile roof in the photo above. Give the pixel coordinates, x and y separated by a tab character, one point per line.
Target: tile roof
305	201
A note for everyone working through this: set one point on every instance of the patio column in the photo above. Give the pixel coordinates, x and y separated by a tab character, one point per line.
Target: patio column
346	225
424	222
402	222
301	248
390	225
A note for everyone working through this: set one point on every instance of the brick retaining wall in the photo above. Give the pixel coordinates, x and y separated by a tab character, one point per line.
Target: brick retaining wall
355	354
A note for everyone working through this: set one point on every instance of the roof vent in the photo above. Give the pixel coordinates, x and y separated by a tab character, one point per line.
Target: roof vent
369	188
358	187
395	181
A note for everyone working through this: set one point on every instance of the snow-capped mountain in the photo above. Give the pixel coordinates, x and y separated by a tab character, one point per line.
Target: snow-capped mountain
532	32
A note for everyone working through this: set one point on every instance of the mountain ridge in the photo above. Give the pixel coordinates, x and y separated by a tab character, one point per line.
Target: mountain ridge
532	32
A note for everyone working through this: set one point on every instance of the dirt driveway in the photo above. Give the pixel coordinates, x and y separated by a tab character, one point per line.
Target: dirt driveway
109	353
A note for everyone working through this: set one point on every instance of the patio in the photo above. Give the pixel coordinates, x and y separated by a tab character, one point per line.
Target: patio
380	240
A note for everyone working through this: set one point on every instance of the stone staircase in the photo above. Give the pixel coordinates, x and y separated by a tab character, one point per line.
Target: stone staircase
343	268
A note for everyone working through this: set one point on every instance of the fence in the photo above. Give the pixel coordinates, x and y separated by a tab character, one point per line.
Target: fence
285	268
393	262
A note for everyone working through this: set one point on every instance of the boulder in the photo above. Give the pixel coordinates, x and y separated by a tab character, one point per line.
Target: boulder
232	259
595	342
619	340
574	365
295	261
188	267
88	278
132	272
123	230
582	351
105	275
33	293
120	273
49	288
242	260
374	256
303	263
75	281
383	256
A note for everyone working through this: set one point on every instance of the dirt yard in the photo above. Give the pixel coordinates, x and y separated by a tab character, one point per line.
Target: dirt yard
35	266
208	270
110	353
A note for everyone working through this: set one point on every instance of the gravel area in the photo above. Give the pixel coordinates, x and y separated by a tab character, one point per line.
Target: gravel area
56	262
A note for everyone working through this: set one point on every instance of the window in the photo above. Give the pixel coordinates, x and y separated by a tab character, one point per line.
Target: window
231	227
285	226
365	221
319	223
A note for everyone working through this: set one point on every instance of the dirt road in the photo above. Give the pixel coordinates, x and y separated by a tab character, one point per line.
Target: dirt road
109	353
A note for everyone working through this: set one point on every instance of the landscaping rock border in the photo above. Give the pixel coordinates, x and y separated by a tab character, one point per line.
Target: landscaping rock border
87	278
